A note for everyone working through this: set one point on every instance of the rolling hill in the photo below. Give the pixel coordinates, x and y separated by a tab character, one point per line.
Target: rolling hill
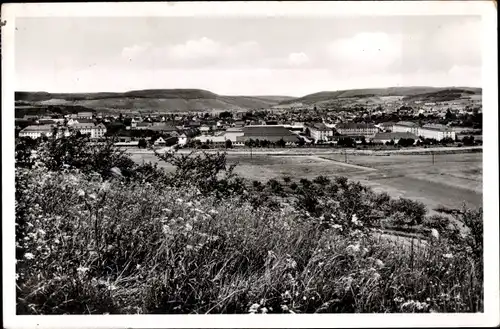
372	95
153	99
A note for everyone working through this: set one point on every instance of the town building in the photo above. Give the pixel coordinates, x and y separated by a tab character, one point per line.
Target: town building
95	131
36	131
233	134
356	129
270	133
320	132
437	132
384	137
405	126
85	115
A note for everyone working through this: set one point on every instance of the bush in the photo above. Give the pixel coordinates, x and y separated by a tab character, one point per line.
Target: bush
407	212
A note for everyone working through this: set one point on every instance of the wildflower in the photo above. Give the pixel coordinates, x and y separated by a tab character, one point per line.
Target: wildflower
29	255
287	294
104	187
179	200
213	212
435	234
263	310
92	196
376	276
166	230
284	308
337	227
189	247
138	266
304	298
80	193
189	227
82	270
448	256
168	211
189	204
56	241
17	276
379	263
42	232
254	308
354	248
355	219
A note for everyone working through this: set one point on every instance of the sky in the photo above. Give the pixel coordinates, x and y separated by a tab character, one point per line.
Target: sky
246	56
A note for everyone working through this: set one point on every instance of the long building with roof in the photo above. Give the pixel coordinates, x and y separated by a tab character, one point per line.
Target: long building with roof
270	133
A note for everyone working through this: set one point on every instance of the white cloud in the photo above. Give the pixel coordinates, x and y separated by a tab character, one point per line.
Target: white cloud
194	52
297	59
134	51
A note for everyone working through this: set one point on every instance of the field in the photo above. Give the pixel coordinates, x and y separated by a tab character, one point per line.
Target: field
452	180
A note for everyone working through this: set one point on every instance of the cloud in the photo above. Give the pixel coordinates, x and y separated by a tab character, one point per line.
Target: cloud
297	59
194	53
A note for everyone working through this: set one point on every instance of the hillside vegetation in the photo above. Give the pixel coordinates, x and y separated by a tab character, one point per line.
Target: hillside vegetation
417	93
97	233
154	99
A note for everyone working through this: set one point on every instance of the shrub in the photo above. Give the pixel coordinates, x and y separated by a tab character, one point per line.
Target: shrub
407	212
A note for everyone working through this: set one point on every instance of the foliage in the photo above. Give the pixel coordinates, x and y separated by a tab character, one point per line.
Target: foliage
199	240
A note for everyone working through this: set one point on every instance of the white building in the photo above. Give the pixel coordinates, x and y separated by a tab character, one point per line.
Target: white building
182	139
91	129
405	127
37	131
320	132
438	132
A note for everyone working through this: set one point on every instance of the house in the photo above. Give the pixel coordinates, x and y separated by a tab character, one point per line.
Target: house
159	142
35	132
405	126
437	132
182	139
91	129
356	129
204	129
85	115
239	124
382	138
320	132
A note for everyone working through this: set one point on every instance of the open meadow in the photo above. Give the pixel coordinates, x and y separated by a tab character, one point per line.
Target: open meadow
453	179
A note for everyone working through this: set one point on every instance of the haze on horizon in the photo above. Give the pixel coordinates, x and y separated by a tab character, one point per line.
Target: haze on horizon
246	56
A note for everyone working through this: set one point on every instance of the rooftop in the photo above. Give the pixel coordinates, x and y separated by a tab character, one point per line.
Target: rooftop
406	124
355	126
394	135
34	128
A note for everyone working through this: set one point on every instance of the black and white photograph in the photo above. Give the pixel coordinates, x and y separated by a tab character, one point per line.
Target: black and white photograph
251	159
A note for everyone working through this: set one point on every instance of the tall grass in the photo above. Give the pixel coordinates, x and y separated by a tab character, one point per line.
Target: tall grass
89	246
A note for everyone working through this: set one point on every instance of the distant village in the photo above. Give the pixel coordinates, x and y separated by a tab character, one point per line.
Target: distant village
421	123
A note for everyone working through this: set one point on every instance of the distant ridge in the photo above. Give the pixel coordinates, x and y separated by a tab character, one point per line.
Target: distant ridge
155	99
183	100
426	93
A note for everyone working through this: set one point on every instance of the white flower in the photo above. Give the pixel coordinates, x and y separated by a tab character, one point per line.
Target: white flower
337	227
17	276
105	187
353	248
254	308
189	227
42	232
379	263
80	193
284	308
263	310
92	196
435	233
168	211
82	270
213	212
448	256
138	266
29	255
179	200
